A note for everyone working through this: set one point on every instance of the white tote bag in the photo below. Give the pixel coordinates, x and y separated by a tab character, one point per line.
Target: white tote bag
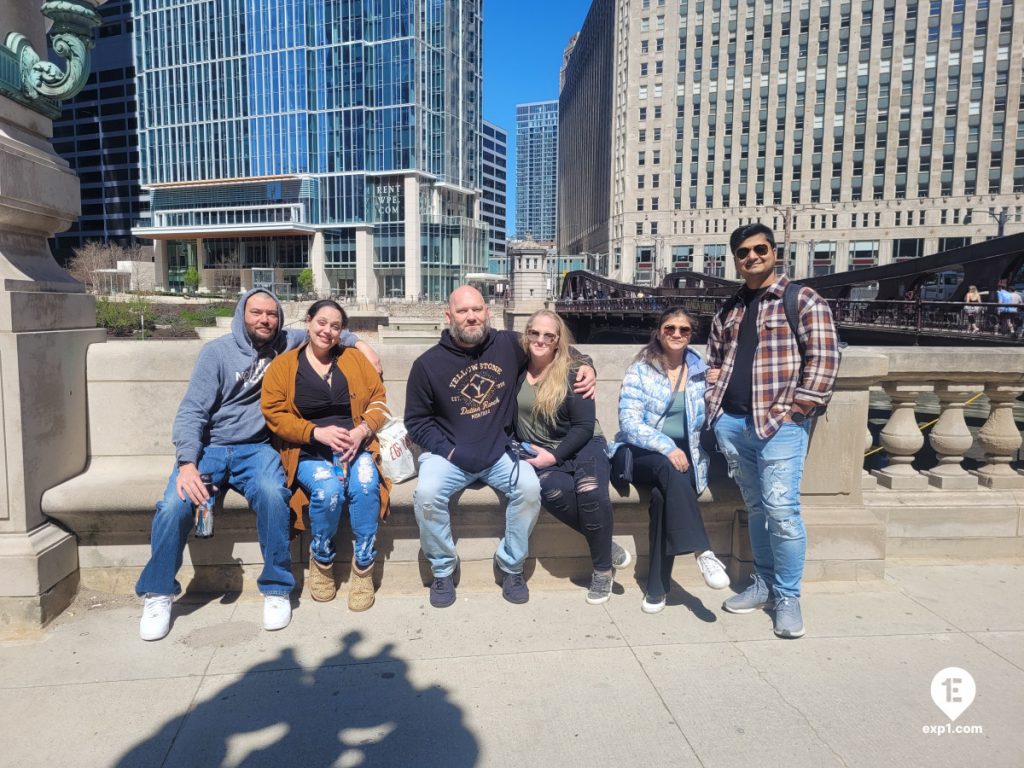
397	459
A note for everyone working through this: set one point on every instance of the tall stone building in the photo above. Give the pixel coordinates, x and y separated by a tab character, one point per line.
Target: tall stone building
536	169
863	131
278	135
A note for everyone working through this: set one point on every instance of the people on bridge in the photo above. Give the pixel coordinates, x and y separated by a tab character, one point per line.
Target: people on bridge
324	404
219	431
661	414
1008	301
972	308
460	407
569	452
767	385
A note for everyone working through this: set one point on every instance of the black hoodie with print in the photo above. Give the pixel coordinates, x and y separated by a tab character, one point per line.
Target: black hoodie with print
465	399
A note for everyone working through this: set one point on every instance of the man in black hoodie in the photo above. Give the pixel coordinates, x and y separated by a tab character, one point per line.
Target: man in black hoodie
459	408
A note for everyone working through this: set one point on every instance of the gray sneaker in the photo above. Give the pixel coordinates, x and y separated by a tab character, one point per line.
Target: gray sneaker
757	595
600	587
620	557
788	621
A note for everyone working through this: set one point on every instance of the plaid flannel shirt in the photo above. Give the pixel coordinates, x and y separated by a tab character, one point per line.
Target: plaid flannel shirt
779	376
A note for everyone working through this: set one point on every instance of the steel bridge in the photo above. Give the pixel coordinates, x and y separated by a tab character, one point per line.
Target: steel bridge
918	301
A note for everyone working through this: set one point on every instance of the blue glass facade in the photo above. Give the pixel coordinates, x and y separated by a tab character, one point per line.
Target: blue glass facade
536	170
306	118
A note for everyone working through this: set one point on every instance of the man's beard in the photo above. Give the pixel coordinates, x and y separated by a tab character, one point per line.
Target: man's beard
470	336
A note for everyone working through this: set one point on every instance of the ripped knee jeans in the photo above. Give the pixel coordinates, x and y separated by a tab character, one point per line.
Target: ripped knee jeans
768	473
328	497
576	493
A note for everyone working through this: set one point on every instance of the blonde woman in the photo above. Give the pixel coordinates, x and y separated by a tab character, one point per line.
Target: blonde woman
570	453
972	308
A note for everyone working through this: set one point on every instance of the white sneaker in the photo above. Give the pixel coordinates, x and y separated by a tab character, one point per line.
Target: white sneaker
653	607
156	617
277	612
712	570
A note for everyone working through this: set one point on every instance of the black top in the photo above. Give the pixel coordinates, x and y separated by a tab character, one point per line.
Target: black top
325	404
738	395
575	422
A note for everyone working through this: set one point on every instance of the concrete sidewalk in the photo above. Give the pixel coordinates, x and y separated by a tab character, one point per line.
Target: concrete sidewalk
554	683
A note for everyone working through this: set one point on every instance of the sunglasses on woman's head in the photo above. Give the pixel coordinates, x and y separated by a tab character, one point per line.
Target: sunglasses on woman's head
761	249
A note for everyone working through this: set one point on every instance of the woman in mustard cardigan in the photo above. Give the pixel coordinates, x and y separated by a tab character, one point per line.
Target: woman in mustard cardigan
324	404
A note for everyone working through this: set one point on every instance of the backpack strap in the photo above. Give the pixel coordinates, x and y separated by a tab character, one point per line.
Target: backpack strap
791	303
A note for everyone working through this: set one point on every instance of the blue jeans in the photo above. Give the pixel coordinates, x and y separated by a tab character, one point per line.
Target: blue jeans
768	473
439	480
327	495
255	470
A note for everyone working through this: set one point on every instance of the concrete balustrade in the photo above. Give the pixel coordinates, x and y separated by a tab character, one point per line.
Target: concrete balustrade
854	525
946	511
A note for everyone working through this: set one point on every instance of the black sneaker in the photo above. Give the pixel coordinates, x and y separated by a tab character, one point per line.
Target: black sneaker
514	589
442	592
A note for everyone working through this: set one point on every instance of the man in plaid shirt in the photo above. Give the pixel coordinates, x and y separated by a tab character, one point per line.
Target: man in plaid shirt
762	394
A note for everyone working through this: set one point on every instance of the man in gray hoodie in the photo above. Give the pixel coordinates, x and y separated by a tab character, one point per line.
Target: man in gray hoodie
219	430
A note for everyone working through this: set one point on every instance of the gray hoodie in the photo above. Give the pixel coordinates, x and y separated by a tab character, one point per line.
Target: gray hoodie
222	403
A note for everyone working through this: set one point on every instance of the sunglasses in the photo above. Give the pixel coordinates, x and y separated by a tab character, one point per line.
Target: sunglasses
547	338
761	249
672	330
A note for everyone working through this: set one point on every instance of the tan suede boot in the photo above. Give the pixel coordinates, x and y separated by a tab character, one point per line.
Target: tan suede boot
321	581
360	588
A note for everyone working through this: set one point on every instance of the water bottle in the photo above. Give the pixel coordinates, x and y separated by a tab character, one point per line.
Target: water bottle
204	511
341	468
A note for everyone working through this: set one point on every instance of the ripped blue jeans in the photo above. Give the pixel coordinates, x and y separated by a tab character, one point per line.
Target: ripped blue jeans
768	473
328	495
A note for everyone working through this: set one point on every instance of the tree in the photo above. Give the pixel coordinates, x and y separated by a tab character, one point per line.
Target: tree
95	255
191	279
305	280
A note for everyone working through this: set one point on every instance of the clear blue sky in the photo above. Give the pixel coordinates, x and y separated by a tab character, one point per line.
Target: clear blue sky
523	44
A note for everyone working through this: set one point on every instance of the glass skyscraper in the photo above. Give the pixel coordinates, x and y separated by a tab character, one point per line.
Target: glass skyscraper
339	135
97	134
495	181
536	169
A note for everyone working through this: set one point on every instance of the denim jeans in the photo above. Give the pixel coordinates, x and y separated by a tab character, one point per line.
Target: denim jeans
768	473
255	470
327	495
576	492
439	480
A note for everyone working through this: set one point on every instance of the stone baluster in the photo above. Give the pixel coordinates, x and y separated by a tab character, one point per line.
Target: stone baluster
902	439
1000	439
867	481
951	438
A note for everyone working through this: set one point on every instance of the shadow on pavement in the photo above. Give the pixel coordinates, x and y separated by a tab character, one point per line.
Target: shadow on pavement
350	710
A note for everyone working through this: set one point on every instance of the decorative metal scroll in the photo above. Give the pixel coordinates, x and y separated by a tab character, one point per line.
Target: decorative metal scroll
28	78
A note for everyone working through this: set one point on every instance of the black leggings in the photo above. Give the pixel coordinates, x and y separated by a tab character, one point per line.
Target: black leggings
676	527
576	492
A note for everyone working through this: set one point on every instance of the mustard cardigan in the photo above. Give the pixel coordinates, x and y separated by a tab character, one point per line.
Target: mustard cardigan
290	431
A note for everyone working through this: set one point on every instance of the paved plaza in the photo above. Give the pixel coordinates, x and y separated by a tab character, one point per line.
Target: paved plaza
554	683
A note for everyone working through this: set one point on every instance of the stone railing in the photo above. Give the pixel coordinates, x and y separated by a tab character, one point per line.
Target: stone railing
950	492
855	520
